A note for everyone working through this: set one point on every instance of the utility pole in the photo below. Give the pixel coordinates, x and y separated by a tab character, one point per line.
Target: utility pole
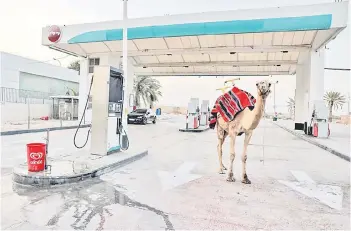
274	107
125	66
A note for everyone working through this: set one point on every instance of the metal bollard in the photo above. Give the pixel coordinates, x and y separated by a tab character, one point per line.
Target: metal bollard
28	122
47	148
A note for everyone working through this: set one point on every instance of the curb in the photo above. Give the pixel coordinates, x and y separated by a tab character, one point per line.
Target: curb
17	132
301	136
41	181
193	130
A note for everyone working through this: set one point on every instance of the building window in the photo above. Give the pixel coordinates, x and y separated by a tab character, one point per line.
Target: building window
93	62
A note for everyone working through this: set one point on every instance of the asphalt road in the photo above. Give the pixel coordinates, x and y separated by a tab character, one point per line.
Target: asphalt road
295	185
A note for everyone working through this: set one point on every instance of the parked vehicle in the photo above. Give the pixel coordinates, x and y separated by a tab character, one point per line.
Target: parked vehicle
141	116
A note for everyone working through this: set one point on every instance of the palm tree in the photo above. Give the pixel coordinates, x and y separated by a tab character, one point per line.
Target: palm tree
74	93
291	107
148	89
335	100
75	66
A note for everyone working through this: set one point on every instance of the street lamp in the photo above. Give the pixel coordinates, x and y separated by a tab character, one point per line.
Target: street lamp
274	83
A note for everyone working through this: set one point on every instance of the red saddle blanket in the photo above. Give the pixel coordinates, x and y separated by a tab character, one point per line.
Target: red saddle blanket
231	103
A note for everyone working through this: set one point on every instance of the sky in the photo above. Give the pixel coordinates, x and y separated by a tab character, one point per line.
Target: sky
21	22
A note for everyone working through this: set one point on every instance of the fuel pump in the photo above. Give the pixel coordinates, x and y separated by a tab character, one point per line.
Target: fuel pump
319	126
107	93
115	107
204	113
193	114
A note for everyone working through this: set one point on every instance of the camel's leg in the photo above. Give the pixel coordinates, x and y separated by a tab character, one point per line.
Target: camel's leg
245	179
232	157
221	138
220	153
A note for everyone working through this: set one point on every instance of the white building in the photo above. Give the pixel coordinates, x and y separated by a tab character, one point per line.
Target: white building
25	81
17	72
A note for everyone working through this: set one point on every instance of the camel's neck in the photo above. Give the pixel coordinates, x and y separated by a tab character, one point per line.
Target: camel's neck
251	119
259	107
260	104
256	114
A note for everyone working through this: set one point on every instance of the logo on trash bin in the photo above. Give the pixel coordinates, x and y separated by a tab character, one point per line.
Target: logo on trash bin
36	155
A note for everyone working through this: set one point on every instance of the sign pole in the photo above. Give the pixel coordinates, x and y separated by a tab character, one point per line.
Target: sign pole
125	66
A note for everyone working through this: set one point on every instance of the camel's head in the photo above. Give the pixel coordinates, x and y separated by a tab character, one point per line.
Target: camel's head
263	88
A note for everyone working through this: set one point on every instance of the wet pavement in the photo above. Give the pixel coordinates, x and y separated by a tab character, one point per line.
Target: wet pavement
177	187
92	204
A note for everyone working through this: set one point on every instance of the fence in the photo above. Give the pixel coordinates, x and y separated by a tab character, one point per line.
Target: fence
12	95
22	109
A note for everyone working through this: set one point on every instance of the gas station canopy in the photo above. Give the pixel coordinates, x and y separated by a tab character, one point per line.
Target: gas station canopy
243	42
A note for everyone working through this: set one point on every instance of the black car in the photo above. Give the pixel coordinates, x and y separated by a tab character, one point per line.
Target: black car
141	116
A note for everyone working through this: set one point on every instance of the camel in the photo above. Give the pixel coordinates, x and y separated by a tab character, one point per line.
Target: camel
245	122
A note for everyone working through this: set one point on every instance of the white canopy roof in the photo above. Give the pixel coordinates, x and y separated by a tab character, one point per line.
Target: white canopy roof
246	42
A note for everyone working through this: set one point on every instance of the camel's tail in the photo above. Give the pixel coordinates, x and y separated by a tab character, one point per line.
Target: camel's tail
213	118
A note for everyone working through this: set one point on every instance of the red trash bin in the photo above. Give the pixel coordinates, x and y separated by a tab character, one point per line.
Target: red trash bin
36	157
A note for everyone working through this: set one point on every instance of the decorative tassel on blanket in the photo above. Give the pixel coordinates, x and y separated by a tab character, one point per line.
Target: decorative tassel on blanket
213	117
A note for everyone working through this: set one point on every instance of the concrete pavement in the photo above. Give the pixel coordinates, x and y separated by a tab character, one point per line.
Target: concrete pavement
177	186
338	142
37	124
